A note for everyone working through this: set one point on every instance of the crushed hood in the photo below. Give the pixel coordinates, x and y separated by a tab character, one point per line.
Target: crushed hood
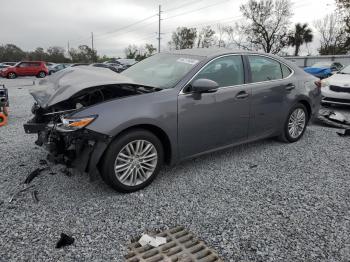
68	82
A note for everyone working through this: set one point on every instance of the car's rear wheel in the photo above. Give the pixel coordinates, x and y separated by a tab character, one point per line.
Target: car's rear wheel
41	74
11	75
295	124
132	161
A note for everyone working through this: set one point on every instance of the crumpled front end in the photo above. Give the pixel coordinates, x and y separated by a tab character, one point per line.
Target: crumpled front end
77	148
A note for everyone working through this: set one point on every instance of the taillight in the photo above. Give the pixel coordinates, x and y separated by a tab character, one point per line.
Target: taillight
318	83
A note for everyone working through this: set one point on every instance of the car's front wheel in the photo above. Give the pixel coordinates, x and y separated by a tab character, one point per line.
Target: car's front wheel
295	124
132	160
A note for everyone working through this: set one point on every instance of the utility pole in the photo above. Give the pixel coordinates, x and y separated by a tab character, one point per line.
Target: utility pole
159	14
92	45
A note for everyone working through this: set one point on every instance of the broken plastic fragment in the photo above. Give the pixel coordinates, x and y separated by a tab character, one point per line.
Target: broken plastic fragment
34	174
344	132
65	240
152	241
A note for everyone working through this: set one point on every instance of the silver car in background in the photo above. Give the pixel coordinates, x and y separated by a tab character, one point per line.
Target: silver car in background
336	89
168	108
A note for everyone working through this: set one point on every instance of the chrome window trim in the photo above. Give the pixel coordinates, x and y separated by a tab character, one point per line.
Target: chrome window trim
242	54
212	60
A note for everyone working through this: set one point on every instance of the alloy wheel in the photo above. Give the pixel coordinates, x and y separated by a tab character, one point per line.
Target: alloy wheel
296	123
136	162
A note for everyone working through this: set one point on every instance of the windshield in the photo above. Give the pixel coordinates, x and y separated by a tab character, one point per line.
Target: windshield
322	64
162	70
345	70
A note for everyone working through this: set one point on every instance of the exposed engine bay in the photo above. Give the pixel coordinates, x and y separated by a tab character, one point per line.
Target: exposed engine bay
65	137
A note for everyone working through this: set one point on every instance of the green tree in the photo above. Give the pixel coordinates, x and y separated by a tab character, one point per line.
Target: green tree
183	38
301	34
83	54
206	37
56	54
131	51
332	35
11	52
266	24
343	8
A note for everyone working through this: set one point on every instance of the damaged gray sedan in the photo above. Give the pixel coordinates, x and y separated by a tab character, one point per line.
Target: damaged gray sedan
167	108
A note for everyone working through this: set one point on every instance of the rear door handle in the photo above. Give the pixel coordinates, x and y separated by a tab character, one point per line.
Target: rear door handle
242	95
290	87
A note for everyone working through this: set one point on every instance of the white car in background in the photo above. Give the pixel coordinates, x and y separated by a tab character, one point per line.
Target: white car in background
336	89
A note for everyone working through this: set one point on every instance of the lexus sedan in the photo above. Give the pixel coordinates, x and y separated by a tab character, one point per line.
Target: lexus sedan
168	108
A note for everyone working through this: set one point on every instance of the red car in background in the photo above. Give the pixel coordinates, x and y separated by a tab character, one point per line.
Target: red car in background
25	68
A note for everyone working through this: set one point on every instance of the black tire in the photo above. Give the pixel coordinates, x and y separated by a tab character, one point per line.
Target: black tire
108	163
41	74
286	136
11	75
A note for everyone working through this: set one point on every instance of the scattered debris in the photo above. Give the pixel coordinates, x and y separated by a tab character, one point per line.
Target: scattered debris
35	196
34	174
344	132
43	162
180	245
18	192
66	171
65	240
333	119
152	241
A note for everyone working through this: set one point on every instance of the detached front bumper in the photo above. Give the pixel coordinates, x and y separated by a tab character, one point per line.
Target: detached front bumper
81	149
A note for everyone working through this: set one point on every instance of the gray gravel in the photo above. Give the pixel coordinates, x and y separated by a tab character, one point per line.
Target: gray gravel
293	206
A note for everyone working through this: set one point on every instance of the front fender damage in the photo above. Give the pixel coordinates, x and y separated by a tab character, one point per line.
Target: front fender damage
81	149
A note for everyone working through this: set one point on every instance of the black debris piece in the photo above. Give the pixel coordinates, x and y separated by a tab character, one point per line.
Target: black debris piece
344	132
66	171
34	174
35	196
253	166
42	162
21	165
65	240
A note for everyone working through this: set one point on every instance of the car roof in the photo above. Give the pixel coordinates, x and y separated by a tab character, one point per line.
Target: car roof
208	52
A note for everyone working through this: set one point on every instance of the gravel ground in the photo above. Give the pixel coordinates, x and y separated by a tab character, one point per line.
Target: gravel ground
293	206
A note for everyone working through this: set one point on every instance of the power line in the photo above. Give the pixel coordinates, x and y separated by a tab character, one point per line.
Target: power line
127	26
186	4
196	10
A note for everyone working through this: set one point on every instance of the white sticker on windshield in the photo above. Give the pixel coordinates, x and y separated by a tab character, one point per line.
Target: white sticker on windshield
187	61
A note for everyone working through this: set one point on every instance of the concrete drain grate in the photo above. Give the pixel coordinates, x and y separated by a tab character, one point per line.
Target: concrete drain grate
181	246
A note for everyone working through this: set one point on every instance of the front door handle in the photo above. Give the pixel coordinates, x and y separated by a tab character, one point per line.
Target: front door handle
290	87
242	95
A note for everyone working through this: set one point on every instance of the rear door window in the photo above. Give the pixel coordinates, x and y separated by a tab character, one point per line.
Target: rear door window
226	71
264	69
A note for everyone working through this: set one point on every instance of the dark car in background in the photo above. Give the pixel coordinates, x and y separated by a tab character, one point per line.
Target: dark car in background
57	67
168	108
3	66
25	68
324	69
105	65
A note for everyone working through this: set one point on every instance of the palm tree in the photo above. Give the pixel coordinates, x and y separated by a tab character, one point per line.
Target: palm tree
301	34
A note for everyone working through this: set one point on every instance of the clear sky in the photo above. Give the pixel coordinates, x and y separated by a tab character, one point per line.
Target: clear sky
44	23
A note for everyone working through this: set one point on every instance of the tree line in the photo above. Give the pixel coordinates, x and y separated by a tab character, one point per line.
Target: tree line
265	27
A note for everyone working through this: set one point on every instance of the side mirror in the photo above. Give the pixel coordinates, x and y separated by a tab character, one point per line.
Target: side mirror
203	85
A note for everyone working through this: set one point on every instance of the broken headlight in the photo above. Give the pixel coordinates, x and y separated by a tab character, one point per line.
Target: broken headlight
71	124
